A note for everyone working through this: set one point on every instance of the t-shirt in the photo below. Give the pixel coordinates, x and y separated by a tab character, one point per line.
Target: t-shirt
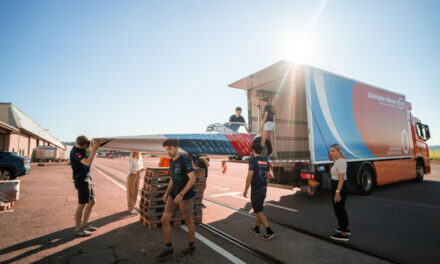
135	165
270	113
233	118
340	166
179	173
260	166
80	171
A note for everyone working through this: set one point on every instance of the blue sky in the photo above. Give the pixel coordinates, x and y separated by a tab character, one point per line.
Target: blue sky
111	68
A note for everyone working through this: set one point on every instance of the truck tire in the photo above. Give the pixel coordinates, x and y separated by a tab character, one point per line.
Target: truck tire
366	178
6	174
420	172
267	149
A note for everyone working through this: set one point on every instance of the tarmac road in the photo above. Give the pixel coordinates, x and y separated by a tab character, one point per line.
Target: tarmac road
398	221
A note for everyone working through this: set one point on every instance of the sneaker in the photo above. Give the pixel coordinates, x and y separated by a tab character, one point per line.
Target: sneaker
339	231
339	237
254	231
268	236
134	211
165	254
90	228
189	250
83	233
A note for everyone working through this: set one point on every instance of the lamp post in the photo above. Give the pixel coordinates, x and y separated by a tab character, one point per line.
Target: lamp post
41	152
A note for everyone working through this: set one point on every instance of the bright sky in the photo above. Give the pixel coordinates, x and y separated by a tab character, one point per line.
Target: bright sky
113	68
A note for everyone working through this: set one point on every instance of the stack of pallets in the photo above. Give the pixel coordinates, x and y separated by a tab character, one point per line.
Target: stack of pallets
152	206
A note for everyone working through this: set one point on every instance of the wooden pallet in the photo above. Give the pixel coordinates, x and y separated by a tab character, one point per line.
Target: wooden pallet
147	203
5	206
175	222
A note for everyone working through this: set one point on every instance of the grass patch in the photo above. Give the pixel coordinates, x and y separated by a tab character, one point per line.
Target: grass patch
434	154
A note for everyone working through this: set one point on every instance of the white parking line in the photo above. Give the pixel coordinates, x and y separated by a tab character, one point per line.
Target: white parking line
206	241
216	248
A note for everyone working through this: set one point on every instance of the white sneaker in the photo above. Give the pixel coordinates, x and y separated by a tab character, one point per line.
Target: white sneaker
134	211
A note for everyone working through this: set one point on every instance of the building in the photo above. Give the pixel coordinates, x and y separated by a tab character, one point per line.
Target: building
20	134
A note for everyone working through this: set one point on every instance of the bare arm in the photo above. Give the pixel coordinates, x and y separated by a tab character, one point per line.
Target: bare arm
189	184
92	154
248	182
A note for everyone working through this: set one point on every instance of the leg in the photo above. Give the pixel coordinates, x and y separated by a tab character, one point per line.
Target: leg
272	142
262	218
130	183
187	209
166	227
90	203
135	189
87	211
170	210
264	135
78	216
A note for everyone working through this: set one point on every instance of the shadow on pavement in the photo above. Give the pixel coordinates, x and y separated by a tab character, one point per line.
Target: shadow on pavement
55	239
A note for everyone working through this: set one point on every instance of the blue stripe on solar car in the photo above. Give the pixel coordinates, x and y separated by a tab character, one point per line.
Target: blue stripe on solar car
204	144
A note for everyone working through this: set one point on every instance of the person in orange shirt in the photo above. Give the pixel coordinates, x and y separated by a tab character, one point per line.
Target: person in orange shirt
165	163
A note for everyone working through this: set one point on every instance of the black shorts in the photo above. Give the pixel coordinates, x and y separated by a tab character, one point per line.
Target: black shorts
85	191
257	199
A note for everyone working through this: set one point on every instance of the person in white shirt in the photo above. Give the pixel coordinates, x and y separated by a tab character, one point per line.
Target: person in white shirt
339	192
135	167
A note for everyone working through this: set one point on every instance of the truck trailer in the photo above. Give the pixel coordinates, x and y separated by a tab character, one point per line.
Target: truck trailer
382	141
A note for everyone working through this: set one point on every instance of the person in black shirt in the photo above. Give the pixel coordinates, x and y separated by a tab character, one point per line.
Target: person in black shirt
80	163
179	195
237	118
268	126
257	179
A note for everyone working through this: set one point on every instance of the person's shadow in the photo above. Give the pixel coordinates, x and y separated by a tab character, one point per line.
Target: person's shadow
55	239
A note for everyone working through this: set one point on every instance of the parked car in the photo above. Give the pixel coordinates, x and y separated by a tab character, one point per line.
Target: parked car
13	165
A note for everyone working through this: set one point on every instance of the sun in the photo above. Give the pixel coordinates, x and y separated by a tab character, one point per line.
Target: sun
298	50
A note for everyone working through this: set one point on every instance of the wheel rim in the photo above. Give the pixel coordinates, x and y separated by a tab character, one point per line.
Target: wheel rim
367	180
419	172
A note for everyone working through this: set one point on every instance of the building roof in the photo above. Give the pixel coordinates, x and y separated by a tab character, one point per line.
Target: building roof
8	127
19	119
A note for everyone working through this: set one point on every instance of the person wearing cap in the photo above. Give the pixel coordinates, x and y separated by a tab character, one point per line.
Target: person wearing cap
237	118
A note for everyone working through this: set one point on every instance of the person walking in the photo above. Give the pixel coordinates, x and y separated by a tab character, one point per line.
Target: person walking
339	192
267	128
135	167
257	179
179	195
82	178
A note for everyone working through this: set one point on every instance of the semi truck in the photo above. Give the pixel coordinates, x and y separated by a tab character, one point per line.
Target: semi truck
382	141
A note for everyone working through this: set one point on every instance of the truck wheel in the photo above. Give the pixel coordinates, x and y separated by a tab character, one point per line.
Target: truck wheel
366	180
420	171
267	149
6	174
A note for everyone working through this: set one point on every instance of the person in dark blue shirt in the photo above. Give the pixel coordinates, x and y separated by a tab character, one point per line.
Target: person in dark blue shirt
257	179
267	128
237	118
80	163
179	195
